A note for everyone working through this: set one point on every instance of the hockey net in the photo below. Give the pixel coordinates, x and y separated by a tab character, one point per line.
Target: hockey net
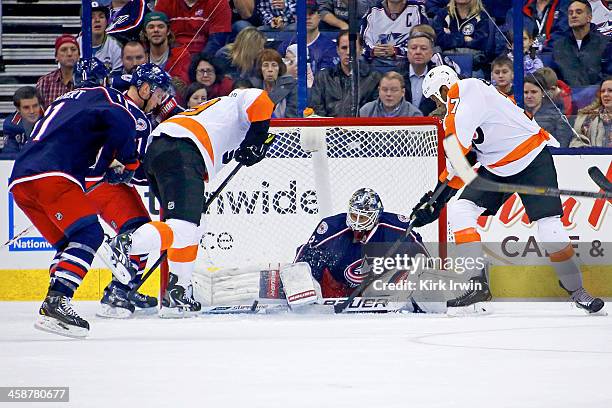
269	209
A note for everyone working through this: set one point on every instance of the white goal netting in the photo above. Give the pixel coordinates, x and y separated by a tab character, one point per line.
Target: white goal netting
268	210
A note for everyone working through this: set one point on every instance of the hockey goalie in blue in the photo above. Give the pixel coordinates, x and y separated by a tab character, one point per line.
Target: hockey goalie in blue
334	250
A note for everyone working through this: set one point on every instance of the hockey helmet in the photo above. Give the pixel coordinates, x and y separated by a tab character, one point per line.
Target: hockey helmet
364	210
90	72
439	76
151	74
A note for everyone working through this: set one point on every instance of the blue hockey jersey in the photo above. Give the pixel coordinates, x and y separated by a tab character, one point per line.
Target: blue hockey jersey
126	23
332	247
76	127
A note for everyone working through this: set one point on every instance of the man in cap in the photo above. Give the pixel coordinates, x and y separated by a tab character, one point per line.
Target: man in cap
59	81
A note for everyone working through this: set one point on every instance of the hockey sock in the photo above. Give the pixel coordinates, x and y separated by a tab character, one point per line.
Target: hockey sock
154	236
139	262
469	254
76	258
181	262
556	241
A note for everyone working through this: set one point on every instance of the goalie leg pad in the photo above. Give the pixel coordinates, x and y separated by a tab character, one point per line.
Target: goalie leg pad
300	287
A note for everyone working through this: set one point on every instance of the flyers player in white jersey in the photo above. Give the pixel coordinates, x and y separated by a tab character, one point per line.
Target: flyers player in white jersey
511	148
187	150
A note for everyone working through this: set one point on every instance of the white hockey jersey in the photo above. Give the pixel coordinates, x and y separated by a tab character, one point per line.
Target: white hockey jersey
505	138
218	126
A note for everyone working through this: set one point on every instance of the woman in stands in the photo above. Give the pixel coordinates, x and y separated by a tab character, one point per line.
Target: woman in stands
209	72
241	55
194	95
273	78
594	122
546	113
465	29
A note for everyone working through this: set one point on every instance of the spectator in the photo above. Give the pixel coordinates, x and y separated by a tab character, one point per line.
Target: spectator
159	40
547	18
331	93
531	60
195	94
420	61
209	72
277	14
391	101
126	19
464	29
17	127
583	56
272	78
594	122
198	25
290	61
496	8
502	75
241	56
104	47
545	112
334	13
132	55
243	16
321	50
560	93
385	29
602	16
59	81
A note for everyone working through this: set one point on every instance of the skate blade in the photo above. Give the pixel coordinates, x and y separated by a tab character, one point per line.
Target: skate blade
52	325
119	271
111	312
477	309
147	311
176	313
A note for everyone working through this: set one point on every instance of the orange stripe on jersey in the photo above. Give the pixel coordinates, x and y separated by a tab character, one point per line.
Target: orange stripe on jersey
184	255
165	233
261	108
523	149
197	130
449	119
562	255
454	182
466	235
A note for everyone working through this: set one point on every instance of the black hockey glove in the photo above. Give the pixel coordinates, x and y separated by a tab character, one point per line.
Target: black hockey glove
114	175
425	214
253	154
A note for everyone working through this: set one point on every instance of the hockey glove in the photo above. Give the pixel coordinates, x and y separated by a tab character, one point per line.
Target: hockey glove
118	173
424	213
253	154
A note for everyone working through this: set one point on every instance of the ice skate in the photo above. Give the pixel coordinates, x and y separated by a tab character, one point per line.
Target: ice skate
178	301
57	316
115	303
470	301
144	304
585	301
115	254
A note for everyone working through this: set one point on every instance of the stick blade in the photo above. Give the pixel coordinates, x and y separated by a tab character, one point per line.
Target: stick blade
600	179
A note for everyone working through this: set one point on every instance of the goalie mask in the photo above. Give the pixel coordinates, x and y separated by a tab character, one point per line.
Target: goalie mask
364	210
437	77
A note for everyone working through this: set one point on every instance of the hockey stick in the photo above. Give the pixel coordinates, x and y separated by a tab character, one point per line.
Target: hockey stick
371	276
470	177
208	203
600	179
28	229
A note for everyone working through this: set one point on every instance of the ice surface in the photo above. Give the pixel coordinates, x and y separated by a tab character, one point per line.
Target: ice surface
523	355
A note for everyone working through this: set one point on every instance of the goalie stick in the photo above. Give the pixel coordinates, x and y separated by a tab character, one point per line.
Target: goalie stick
470	177
371	276
28	229
213	197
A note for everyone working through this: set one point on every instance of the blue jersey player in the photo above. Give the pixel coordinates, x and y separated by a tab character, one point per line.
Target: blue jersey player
334	250
48	181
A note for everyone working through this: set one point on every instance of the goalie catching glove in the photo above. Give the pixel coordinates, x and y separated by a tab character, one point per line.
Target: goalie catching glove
424	213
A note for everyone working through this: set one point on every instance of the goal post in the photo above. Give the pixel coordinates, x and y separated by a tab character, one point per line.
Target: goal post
310	172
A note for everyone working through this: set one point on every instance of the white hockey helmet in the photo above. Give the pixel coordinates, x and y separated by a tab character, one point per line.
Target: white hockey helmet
436	78
364	210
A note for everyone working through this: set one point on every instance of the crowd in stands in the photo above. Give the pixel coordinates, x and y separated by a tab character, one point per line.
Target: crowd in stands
212	47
